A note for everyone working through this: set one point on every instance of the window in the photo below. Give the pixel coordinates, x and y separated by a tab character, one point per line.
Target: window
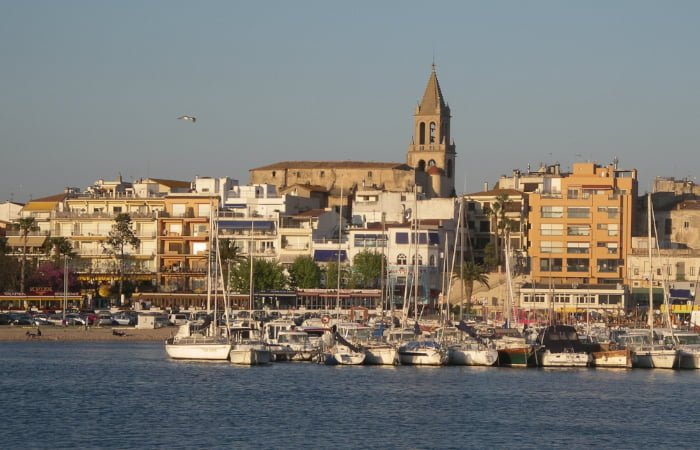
431	163
402	238
686	225
608	265
551	229
484	226
691	271
577	247
420	260
432	260
117	209
421	133
432	132
613	212
322	174
552	212
401	259
578	230
551	247
369	174
550	264
199	248
577	265
572	193
178	209
578	212
533	298
204	210
561	298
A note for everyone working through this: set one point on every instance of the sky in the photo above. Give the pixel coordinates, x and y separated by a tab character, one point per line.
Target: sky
92	89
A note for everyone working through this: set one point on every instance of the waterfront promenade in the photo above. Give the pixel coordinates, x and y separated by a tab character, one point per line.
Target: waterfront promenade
80	334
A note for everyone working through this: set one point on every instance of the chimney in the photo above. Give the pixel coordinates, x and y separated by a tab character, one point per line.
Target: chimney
486	186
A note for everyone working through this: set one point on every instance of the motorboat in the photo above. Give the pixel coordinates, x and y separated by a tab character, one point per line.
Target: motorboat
688	347
560	347
471	353
422	353
250	353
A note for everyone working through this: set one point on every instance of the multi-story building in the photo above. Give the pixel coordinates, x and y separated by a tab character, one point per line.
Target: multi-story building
580	235
184	242
492	216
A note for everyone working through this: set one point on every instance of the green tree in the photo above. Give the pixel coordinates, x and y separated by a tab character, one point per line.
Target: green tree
305	273
230	255
501	227
470	273
118	241
332	276
490	256
268	275
367	270
9	273
26	226
58	247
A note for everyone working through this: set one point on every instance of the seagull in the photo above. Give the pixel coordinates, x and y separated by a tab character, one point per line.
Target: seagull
190	118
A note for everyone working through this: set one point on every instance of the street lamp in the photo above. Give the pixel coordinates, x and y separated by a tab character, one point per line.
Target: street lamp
65	286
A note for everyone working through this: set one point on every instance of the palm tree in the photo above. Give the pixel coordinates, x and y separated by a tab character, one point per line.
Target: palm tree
470	273
58	247
501	224
26	226
231	254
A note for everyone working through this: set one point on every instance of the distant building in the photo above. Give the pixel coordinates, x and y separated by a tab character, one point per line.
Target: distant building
430	161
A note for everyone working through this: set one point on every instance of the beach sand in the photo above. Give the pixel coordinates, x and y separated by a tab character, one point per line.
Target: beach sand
79	334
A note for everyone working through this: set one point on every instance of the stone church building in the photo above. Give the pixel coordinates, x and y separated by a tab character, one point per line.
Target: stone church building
430	160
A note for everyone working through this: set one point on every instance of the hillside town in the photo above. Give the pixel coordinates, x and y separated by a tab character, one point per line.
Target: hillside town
539	241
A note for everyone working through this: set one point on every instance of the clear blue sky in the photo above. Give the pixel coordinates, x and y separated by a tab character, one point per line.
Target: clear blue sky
92	88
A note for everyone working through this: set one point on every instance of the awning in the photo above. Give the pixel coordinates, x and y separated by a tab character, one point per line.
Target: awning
329	255
680	293
246	225
32	241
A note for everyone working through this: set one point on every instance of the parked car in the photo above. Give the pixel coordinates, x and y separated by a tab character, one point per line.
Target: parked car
75	319
124	318
21	319
41	320
103	318
5	319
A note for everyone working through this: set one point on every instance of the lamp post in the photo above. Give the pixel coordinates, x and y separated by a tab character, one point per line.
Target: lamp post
65	287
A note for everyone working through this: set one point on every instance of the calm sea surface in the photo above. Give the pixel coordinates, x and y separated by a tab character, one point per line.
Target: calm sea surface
116	395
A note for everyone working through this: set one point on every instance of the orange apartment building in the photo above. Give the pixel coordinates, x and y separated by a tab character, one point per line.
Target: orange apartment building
183	231
580	235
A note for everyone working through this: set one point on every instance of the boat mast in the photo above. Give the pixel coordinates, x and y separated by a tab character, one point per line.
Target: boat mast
340	235
415	256
251	261
650	315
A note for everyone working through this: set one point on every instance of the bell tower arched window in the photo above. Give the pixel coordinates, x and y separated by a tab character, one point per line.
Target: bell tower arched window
421	165
421	133
432	132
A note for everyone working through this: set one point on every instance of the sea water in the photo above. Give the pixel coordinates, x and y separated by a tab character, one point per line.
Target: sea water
127	395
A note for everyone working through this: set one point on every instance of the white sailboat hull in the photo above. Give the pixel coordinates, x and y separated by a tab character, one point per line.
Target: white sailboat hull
249	355
418	355
472	357
655	359
349	358
689	359
562	359
382	356
206	349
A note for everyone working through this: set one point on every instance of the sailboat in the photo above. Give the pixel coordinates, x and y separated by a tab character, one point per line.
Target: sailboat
420	351
204	343
653	356
472	350
342	351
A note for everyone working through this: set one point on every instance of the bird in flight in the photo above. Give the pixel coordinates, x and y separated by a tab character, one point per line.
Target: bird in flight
190	118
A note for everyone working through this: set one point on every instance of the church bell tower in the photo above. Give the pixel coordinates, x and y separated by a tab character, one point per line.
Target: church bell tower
432	151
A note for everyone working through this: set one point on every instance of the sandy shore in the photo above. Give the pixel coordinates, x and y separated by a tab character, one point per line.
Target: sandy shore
79	334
